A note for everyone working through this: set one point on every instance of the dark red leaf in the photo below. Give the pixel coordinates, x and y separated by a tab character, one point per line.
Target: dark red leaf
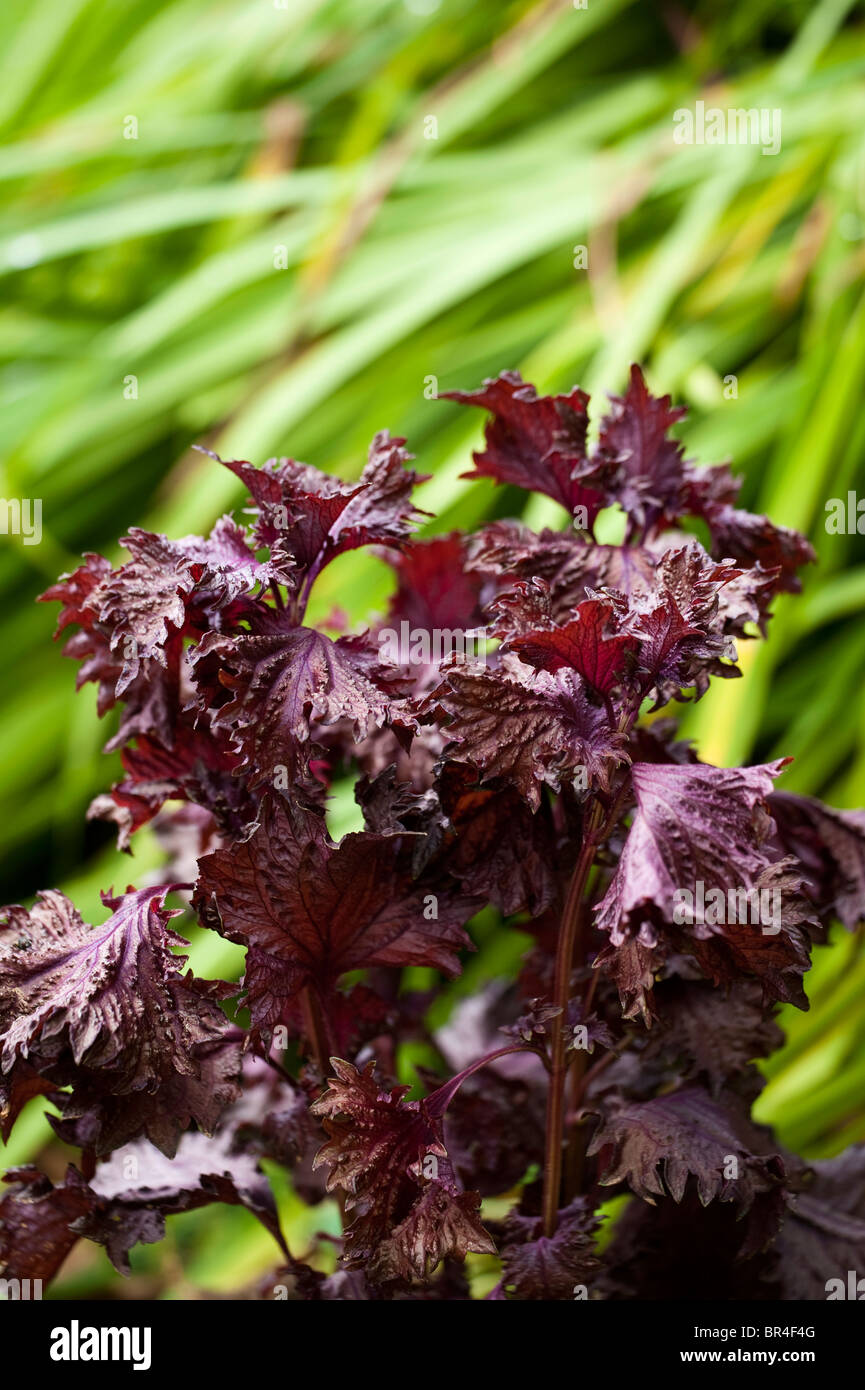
585	645
830	845
528	728
536	1266
699	825
310	910
111	997
534	442
388	1155
655	1145
283	679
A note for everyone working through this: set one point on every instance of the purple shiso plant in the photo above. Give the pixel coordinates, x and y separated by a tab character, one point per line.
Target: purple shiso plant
536	790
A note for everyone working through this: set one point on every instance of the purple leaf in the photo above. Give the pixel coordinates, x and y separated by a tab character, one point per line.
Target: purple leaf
536	1266
283	679
655	1145
388	1155
585	645
534	442
528	728
111	997
700	825
310	910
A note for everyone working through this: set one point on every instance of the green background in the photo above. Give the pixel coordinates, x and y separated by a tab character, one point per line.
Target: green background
325	203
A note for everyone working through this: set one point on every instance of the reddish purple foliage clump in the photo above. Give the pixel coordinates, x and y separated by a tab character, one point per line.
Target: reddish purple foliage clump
670	904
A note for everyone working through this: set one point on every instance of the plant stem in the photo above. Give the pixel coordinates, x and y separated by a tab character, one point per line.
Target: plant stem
438	1101
568	933
317	1029
576	1077
574	1148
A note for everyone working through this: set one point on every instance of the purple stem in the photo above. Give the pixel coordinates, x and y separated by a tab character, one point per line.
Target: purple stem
437	1103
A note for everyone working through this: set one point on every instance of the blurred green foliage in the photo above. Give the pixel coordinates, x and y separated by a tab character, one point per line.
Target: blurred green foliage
266	224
